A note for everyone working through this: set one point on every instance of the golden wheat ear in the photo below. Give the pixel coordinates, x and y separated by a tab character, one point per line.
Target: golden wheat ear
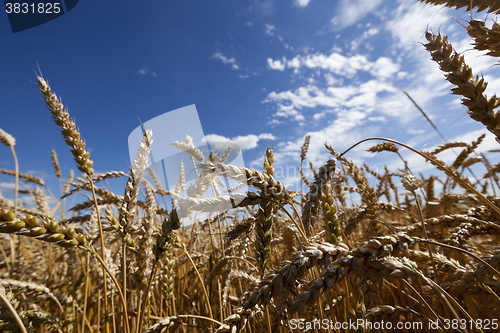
490	6
69	131
9	141
472	89
485	38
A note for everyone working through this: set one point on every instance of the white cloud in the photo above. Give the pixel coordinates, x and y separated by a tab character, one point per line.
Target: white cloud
408	24
301	3
319	115
384	68
361	40
335	62
330	80
351	12
225	60
146	71
379	118
360	97
270	29
245	142
216	138
289	111
276	64
275	122
348	128
266	7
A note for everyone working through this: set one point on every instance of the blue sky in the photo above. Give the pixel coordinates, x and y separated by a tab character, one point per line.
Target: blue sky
258	71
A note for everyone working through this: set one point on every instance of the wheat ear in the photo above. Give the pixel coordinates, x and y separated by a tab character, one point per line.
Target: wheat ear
10	307
388	267
264	220
26	176
269	187
171	323
69	131
484	37
447	146
9	141
132	187
312	206
472	89
73	138
283	279
491	6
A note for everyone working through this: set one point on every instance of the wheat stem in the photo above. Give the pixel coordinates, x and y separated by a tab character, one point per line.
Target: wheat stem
16	188
101	236
183	248
426	236
14	313
268	321
422	299
86	292
142	307
457	304
122	299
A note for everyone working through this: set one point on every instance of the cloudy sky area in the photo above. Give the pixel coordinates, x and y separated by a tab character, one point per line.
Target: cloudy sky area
260	72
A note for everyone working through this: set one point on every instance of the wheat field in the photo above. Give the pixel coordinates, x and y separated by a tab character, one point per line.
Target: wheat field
413	250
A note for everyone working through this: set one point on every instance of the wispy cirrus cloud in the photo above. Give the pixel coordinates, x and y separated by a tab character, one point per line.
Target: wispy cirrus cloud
351	12
225	60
